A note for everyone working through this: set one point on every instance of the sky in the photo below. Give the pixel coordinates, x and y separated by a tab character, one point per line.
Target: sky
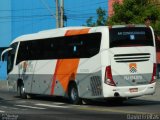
19	17
40	14
78	11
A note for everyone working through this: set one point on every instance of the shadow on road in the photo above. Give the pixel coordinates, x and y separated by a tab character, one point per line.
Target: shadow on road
129	102
1	99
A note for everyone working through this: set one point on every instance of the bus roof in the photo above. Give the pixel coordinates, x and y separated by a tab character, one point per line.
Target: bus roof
61	32
46	34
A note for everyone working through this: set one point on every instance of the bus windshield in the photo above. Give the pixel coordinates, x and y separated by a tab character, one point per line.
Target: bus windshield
130	36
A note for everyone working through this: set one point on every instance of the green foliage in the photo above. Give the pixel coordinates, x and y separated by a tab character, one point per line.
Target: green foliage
101	18
134	12
129	12
90	22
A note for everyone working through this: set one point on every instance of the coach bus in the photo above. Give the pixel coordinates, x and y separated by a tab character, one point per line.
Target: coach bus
84	62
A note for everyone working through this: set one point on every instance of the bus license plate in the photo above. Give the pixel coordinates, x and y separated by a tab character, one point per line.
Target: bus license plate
133	90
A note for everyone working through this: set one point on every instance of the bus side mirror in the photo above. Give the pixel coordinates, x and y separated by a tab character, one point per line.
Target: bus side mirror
4	53
2	57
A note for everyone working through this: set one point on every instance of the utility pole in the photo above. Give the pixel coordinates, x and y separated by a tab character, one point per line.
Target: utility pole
62	13
57	14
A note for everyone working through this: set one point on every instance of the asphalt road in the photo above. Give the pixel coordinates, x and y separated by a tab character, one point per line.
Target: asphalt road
57	108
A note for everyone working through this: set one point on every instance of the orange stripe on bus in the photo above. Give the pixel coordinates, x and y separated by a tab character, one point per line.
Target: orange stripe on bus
66	69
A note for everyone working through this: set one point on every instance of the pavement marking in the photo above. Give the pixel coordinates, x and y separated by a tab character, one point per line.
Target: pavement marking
53	106
14	108
4	107
11	108
21	102
2	111
58	103
25	106
80	106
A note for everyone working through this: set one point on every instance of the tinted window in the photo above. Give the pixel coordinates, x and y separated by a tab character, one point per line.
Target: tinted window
77	46
131	36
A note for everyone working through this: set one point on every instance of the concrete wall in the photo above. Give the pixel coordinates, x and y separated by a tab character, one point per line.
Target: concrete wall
5	23
32	16
19	17
5	31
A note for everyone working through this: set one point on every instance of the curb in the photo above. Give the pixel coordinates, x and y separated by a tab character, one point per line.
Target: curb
3	85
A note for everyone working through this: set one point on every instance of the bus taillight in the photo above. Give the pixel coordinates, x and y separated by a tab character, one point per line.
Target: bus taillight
154	74
108	76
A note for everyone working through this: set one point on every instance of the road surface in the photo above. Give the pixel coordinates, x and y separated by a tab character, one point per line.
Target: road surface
57	108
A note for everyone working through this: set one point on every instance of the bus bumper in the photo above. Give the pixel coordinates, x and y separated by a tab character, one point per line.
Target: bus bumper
129	91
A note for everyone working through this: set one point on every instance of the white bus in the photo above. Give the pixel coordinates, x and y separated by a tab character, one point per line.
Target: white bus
84	62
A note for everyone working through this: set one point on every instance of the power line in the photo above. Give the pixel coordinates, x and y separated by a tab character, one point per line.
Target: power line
22	10
90	4
48	8
83	10
23	17
21	20
70	13
29	25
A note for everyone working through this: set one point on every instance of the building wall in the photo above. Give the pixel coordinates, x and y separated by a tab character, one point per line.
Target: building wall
19	17
5	32
110	6
5	23
31	16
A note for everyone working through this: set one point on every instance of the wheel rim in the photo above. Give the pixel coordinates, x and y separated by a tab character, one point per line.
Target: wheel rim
22	90
74	94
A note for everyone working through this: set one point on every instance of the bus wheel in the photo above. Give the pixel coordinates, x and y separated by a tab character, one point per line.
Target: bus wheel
21	91
73	94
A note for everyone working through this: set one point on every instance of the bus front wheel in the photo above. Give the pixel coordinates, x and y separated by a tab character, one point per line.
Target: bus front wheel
21	91
73	94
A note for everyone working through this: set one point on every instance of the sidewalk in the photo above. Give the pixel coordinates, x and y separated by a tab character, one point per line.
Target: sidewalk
3	85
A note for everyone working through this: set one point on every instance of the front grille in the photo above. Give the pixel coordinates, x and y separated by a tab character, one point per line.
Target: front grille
96	87
134	57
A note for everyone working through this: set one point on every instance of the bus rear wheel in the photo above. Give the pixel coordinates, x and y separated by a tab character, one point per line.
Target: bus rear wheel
73	94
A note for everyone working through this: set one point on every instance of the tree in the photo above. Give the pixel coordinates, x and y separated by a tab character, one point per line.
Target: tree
129	12
101	18
135	12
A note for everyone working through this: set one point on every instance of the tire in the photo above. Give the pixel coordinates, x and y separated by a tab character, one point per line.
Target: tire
18	91
21	91
73	95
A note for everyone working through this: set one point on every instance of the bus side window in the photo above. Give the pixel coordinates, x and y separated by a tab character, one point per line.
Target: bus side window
74	48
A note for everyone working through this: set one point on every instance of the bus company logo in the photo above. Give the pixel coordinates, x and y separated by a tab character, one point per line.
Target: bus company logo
133	67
